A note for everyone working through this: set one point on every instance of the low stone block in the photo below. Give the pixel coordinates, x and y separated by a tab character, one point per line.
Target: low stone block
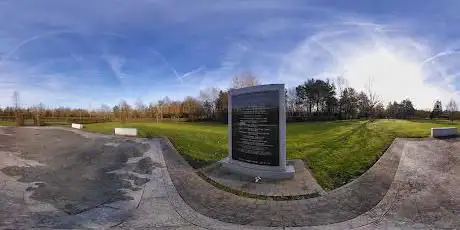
229	164
126	131
444	132
77	126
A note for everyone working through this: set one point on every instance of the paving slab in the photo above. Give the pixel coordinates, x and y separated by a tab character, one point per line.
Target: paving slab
339	205
414	185
61	178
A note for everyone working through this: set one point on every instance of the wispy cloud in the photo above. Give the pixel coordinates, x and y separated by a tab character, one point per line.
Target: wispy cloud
116	65
362	50
153	48
439	55
165	61
31	39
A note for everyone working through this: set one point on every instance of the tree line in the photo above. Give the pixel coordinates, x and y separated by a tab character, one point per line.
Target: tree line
313	100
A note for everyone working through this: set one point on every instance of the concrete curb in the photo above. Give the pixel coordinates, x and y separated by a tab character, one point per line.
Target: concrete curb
338	195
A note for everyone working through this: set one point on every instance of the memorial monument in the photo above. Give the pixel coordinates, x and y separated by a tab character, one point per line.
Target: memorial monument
257	132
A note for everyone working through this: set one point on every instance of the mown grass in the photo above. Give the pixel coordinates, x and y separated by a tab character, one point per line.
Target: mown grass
200	143
6	123
336	151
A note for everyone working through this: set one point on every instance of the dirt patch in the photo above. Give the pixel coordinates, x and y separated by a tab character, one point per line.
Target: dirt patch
144	166
140	181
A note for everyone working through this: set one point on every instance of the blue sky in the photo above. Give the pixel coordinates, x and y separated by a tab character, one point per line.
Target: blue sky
85	53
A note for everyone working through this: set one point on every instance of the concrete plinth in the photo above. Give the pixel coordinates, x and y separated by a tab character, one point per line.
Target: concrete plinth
444	132
77	126
125	131
253	170
302	184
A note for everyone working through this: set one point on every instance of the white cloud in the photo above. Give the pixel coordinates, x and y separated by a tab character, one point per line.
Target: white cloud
394	78
401	64
395	61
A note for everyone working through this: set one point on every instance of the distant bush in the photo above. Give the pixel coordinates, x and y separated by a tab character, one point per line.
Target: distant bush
86	120
19	120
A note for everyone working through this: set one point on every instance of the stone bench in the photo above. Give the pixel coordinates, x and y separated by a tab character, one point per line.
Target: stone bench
77	126
125	131
443	132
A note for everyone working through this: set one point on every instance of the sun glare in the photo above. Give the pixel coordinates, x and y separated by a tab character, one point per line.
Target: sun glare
386	70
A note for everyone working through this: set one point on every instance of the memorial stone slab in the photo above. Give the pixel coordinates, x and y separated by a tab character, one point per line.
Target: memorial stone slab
257	132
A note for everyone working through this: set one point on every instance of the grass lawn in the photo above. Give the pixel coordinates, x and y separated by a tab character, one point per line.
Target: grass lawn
336	151
6	123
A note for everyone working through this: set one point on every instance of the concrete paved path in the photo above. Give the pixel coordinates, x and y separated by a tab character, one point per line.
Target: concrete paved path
416	184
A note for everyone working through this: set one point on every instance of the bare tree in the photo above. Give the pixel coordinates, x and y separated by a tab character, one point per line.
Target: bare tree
16	100
105	109
17	107
340	84
246	79
90	110
208	99
123	111
39	115
374	99
165	102
157	111
139	104
140	108
451	109
291	100
209	94
191	107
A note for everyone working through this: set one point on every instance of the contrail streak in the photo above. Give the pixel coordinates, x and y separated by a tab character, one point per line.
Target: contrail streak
24	42
115	34
176	73
166	62
438	55
28	40
190	73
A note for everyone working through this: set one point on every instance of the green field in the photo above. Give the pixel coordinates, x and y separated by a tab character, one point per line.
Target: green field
336	151
6	123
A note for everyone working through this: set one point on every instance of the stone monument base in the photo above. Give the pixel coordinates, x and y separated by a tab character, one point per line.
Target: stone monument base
260	171
302	184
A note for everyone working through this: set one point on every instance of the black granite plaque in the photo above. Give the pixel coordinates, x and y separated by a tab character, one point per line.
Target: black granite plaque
255	128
